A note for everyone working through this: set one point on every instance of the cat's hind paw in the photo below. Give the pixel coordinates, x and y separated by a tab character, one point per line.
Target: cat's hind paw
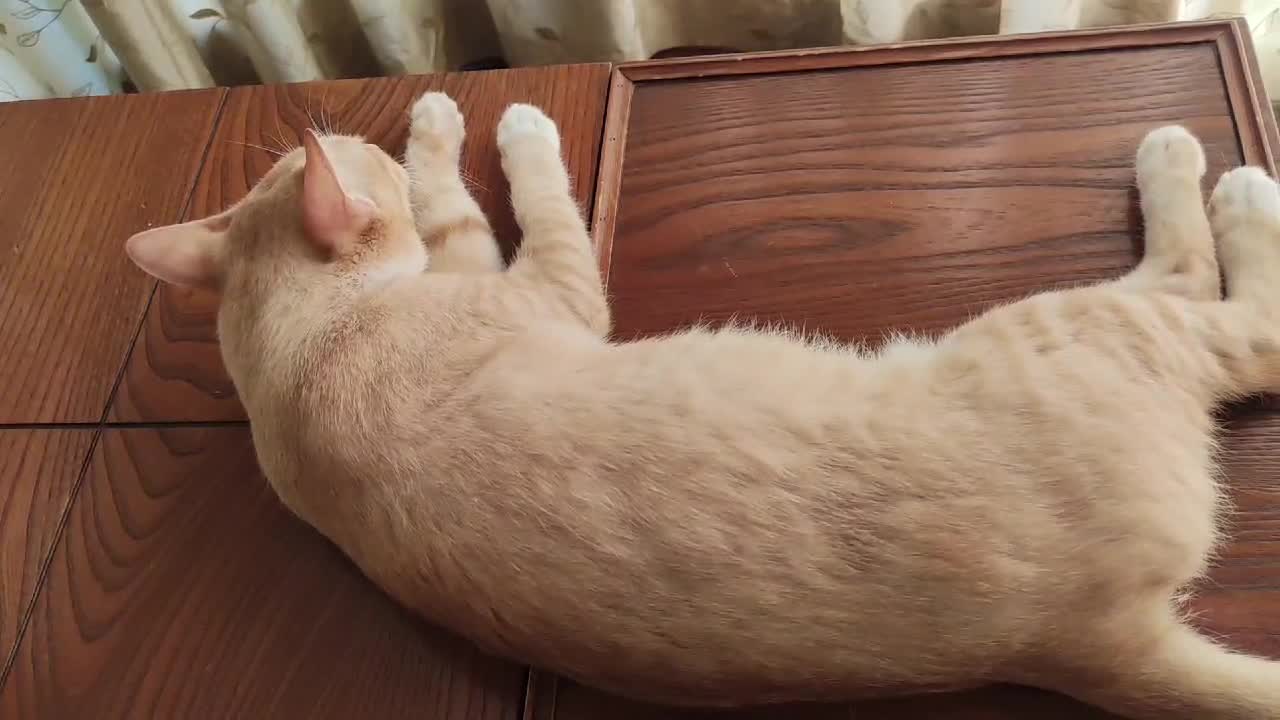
436	122
523	122
1169	150
1242	195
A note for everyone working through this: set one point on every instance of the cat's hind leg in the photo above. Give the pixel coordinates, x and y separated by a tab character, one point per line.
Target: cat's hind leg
1178	256
455	230
1244	333
1159	668
1245	208
555	253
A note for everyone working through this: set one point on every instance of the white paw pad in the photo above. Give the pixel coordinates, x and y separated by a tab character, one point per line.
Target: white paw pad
521	122
1170	149
1246	191
435	116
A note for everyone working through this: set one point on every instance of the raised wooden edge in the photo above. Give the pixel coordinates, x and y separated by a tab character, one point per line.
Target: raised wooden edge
1255	125
956	48
613	141
1250	108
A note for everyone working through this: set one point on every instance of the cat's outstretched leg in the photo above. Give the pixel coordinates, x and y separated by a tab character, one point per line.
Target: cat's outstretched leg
457	235
1162	669
1245	207
1244	332
1179	255
556	250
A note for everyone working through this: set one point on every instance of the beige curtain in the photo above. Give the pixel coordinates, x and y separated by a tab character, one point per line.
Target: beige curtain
67	47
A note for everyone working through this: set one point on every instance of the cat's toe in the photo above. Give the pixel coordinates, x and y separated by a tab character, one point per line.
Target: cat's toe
1244	193
521	122
1170	149
435	119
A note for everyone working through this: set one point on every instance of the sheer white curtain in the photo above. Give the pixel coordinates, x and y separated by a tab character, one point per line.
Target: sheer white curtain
74	47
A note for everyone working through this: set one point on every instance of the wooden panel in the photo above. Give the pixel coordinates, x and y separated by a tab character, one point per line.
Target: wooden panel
38	469
908	188
886	198
86	174
181	588
175	372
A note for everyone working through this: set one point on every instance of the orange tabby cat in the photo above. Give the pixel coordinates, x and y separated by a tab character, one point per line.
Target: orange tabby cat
731	517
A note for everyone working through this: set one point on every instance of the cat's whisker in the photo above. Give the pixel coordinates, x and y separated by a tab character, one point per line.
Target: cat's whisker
279	133
278	137
285	147
263	148
471	180
326	118
311	118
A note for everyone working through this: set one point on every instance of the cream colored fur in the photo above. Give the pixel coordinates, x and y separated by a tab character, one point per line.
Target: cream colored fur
732	517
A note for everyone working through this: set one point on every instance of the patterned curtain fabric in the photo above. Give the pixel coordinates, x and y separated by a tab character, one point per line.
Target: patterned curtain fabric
52	48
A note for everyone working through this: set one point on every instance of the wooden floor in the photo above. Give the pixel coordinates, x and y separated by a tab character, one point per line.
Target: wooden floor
147	571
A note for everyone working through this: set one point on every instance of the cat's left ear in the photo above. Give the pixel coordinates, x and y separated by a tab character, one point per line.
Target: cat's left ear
331	217
188	254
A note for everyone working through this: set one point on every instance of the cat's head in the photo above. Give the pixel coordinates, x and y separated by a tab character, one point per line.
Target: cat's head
337	207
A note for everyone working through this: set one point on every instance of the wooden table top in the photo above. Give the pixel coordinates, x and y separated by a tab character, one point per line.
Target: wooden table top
147	571
170	581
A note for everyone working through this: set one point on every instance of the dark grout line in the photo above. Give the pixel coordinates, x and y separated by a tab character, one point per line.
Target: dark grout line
155	286
175	424
47	562
50	426
152	425
59	533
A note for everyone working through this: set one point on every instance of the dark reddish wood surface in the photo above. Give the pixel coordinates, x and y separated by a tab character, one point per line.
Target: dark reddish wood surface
81	176
38	470
907	189
177	585
175	372
181	588
887	198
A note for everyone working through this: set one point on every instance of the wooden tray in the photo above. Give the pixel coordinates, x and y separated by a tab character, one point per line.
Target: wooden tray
906	188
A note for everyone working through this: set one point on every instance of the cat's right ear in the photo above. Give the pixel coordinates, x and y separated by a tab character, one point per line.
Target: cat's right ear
188	254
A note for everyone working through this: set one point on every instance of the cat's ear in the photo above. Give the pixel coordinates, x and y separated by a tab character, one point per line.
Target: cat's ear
332	218
188	254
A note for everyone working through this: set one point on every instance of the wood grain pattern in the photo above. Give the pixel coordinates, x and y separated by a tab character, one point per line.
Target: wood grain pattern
906	189
892	198
86	174
181	588
38	469
175	372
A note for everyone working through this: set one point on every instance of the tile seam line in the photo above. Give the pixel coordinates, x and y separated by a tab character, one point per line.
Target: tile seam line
65	516
46	562
155	286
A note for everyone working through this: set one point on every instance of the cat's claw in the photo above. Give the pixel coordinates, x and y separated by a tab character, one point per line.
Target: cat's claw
1170	149
523	122
1244	194
436	121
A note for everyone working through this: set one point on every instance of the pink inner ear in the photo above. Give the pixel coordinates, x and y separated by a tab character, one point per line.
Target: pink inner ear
331	218
188	254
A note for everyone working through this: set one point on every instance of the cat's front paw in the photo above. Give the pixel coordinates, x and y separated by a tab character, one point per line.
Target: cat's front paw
521	123
436	122
1169	150
1242	195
